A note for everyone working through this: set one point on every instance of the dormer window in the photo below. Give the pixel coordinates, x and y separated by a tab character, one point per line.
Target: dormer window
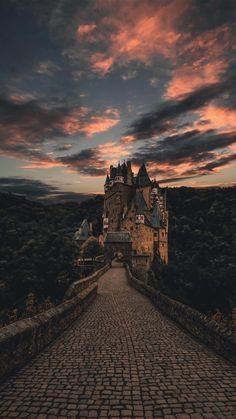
139	219
105	223
119	179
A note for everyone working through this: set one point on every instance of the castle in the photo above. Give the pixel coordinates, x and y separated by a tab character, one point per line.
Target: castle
135	218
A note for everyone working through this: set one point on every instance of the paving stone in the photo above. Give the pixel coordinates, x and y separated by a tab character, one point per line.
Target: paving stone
122	359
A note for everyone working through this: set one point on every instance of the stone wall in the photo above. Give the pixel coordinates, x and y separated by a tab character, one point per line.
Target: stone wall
81	284
208	331
22	340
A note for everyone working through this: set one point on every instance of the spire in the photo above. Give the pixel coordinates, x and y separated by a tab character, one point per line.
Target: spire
107	179
142	178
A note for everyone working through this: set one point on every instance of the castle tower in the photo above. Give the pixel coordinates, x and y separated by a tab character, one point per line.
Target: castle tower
107	183
129	173
136	206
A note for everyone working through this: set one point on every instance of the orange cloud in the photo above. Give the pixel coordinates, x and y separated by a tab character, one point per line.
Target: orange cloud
203	62
218	118
84	29
140	31
101	63
81	120
187	78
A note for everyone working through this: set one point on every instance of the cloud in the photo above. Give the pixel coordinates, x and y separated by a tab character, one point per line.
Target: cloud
86	28
48	68
202	60
165	117
35	189
27	126
134	31
93	162
193	153
87	162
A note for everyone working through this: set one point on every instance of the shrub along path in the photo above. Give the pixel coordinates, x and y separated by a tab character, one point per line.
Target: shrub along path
122	359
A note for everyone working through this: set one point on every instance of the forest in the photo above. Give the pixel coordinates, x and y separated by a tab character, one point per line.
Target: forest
37	251
202	249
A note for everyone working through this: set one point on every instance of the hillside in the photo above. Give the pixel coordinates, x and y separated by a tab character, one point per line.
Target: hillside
36	250
202	248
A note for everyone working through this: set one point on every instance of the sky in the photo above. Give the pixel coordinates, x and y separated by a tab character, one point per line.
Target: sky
87	83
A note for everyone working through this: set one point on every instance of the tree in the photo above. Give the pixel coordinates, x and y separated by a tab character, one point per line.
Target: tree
91	248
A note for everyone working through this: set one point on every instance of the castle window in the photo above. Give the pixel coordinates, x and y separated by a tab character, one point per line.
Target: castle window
131	228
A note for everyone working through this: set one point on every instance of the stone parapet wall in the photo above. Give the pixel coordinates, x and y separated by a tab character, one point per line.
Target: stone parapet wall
22	340
78	286
196	323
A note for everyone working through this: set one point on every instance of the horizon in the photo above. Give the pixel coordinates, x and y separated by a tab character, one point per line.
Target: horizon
85	84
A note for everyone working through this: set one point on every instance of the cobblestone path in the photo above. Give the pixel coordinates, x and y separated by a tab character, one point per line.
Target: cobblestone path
122	359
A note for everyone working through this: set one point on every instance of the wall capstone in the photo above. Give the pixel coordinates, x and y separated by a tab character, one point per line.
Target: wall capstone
22	340
196	323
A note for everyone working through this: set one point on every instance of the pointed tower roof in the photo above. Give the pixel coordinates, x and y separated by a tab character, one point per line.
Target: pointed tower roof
142	178
156	216
140	203
107	180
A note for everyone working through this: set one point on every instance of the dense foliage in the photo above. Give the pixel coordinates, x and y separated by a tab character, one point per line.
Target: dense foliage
202	248
37	251
91	248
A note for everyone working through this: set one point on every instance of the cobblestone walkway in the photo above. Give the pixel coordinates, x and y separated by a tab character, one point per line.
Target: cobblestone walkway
122	359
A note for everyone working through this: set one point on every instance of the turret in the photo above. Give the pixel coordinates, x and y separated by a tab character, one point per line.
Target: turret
119	178
129	173
107	183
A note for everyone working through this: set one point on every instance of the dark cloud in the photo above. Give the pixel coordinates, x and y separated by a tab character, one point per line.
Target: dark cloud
37	190
30	115
202	151
194	145
221	161
207	15
86	162
26	126
164	118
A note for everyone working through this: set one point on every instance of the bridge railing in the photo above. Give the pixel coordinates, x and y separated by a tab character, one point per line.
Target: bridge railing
197	324
22	340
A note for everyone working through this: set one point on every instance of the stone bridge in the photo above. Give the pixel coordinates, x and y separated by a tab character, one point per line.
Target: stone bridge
122	359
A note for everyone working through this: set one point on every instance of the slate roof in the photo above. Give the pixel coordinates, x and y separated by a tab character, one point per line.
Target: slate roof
84	231
140	203
118	237
142	178
156	216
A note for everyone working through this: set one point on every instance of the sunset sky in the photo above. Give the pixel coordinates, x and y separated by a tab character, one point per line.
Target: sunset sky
87	83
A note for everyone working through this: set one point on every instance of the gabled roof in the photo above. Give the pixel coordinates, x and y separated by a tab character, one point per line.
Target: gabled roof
140	203
142	178
118	237
156	216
